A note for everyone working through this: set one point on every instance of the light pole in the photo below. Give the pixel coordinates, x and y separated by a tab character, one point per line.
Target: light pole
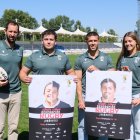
138	21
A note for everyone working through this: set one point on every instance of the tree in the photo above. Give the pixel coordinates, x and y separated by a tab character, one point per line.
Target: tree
112	32
112	39
45	23
27	21
79	25
88	29
55	23
23	18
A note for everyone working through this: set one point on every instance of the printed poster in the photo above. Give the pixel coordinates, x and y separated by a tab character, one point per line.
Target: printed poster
51	107
108	103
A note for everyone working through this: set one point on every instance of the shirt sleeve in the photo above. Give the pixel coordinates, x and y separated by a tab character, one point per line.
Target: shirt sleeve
68	65
77	65
28	62
109	62
119	65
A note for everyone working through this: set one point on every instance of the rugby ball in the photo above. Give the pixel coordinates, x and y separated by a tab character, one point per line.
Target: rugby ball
3	74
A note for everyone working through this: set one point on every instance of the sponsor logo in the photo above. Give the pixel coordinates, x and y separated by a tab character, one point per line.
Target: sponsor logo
101	58
3	53
19	53
86	60
41	58
137	59
59	57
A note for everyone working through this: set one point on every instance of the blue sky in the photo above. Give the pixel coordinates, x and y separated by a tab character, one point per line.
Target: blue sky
120	15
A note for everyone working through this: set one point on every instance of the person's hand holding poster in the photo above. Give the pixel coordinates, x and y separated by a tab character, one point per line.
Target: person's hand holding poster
51	107
108	103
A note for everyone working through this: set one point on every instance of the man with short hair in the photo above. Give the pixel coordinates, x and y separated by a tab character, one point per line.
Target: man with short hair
108	89
48	61
10	90
51	93
91	60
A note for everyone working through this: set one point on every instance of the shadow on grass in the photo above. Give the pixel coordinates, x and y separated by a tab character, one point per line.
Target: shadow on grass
74	136
23	135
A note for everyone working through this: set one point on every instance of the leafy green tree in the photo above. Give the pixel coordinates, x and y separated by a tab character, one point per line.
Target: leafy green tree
23	18
88	29
79	25
112	39
57	22
27	21
112	32
45	23
95	30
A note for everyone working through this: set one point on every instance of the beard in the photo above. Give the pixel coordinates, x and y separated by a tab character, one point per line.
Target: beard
11	40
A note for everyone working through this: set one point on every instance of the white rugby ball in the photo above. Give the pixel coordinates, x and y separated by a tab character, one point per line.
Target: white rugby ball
3	74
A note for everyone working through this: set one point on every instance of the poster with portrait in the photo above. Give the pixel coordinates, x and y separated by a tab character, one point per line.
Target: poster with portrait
51	107
108	103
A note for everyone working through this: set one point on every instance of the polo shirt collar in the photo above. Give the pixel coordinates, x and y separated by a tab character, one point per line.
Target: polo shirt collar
45	53
135	55
6	45
88	56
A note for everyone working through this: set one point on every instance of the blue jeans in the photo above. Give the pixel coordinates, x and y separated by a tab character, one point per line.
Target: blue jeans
135	121
82	135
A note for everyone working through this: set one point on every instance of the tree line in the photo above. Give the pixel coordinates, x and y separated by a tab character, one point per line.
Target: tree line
26	20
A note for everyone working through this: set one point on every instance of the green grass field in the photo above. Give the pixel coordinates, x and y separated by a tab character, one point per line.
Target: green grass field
24	119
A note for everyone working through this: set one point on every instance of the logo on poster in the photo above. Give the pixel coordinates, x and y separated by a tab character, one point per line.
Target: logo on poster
106	108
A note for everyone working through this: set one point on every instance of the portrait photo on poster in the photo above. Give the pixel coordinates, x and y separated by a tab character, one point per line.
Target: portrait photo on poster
109	87
51	96
52	92
108	90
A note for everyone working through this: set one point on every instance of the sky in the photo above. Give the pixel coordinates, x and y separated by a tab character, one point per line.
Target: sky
119	15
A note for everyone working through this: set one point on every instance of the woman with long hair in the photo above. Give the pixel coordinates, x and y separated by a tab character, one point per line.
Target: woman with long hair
129	60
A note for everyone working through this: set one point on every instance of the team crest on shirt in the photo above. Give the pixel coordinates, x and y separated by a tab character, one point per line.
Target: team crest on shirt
137	59
86	60
3	53
19	53
101	58
59	57
40	57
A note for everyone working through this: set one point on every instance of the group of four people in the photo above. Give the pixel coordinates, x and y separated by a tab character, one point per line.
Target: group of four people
50	61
